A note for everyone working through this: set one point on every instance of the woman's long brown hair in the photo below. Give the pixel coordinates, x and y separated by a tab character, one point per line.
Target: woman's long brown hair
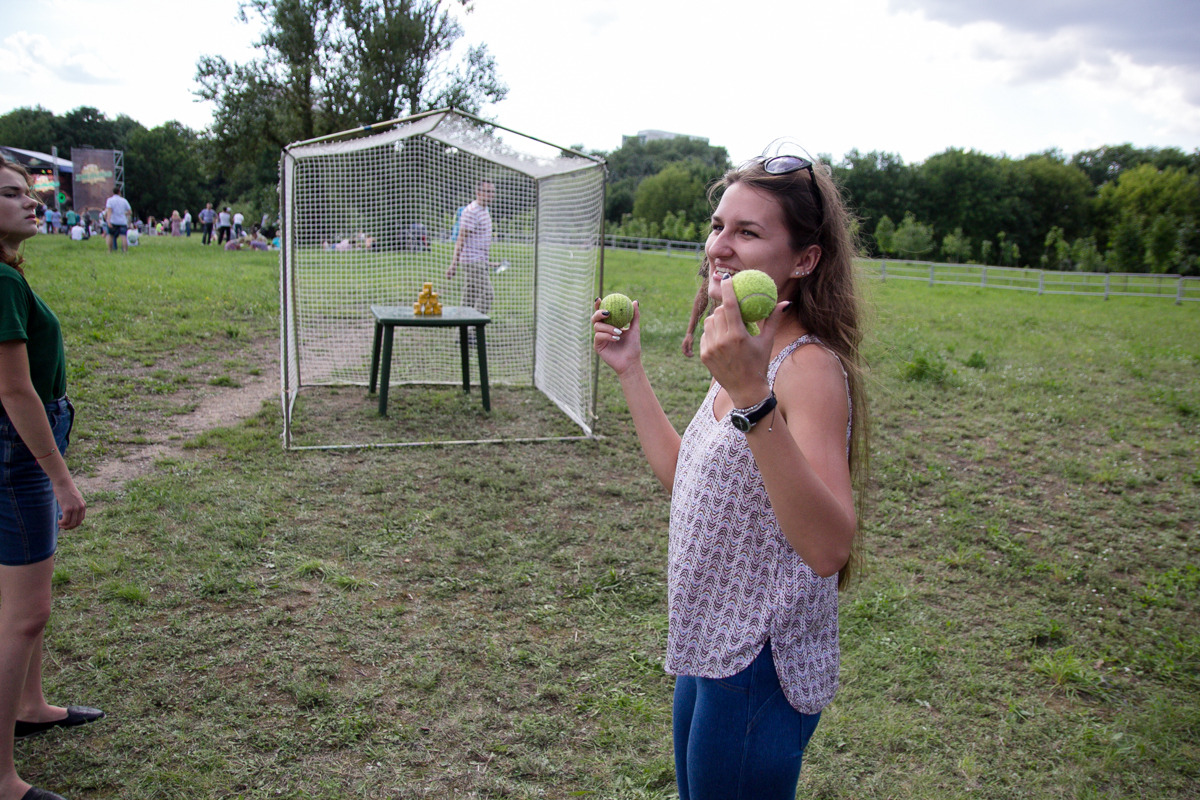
826	301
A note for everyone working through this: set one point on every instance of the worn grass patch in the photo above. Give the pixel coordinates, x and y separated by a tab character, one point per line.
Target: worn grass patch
490	621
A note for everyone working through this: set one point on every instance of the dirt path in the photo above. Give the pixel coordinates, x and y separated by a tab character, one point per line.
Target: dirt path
219	406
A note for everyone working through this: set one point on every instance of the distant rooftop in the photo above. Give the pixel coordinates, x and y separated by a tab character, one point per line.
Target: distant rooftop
653	136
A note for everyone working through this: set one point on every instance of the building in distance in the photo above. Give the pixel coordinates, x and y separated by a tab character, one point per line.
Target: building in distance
654	136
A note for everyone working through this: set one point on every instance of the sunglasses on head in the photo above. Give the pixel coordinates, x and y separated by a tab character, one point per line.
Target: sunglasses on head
784	165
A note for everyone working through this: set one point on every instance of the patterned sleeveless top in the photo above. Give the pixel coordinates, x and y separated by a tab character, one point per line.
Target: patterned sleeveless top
733	580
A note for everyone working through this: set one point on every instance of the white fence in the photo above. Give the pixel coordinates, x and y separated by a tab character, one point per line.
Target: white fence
671	248
1094	284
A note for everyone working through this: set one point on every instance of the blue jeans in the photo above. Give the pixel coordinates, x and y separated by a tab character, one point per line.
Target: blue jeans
29	511
738	738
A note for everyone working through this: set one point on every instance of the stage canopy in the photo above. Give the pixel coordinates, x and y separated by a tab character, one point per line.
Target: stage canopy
35	161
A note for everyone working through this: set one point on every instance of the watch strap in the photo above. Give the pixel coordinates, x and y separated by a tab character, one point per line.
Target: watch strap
746	418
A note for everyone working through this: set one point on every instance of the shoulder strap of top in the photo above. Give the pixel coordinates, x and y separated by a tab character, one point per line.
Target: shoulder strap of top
777	362
808	338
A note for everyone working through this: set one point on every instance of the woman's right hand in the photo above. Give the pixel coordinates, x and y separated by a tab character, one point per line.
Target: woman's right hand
71	502
620	349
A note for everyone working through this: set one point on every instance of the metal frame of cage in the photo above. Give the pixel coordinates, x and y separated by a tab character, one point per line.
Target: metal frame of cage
291	384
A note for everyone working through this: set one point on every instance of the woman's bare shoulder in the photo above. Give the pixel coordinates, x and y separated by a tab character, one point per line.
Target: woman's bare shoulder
812	373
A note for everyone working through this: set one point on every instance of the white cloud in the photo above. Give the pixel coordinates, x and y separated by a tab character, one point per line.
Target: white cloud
912	77
72	61
1023	57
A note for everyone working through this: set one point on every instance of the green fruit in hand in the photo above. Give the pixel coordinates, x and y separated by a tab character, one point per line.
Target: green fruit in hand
619	308
756	296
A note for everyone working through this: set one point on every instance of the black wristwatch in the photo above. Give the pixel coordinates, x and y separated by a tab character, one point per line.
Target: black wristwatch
746	418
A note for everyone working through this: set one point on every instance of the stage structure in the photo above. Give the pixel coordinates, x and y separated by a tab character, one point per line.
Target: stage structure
46	171
95	174
369	217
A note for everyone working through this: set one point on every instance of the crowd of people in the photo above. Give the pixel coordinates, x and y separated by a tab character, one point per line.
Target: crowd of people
117	224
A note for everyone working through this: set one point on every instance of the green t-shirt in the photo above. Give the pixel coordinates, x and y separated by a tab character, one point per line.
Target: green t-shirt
24	317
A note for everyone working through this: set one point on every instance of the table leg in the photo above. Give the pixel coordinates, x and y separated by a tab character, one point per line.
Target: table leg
386	377
481	343
375	355
466	358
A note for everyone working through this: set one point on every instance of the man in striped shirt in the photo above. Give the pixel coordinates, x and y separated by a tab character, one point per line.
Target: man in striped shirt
472	247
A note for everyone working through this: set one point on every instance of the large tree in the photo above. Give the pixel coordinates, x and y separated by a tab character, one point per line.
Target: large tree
29	129
973	191
399	50
163	172
1155	220
877	185
635	161
327	66
1105	164
1060	196
41	130
678	189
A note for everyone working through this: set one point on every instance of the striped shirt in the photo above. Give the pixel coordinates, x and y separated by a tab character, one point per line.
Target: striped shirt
475	229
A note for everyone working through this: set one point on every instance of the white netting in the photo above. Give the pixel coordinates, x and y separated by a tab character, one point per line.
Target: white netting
369	220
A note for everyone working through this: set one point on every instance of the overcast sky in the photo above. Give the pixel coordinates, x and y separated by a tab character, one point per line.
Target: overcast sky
912	77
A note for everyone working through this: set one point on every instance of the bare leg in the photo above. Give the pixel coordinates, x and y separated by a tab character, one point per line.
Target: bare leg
24	610
33	706
699	304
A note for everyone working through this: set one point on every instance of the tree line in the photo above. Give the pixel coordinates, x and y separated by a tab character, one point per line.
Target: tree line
325	67
1112	209
165	166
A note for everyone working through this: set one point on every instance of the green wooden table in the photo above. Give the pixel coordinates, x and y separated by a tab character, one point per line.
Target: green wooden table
387	318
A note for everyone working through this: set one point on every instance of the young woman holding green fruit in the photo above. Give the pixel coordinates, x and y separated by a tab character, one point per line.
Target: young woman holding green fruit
762	482
37	493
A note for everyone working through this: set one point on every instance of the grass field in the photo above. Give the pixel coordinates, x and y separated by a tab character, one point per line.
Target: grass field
490	621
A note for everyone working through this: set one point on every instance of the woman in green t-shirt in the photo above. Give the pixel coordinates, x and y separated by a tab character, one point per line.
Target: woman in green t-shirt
37	494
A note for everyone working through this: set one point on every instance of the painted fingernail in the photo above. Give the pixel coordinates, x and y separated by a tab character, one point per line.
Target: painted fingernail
605	313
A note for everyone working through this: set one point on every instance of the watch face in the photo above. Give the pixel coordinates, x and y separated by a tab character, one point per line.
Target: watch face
740	422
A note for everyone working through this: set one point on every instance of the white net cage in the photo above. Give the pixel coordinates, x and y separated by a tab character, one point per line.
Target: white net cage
370	220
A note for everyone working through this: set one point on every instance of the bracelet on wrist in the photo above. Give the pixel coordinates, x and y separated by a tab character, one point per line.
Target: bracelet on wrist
47	455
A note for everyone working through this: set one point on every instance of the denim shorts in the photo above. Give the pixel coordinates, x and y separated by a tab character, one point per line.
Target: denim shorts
29	511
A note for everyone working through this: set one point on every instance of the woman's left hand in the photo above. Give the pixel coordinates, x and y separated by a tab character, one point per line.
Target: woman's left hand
737	360
70	501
